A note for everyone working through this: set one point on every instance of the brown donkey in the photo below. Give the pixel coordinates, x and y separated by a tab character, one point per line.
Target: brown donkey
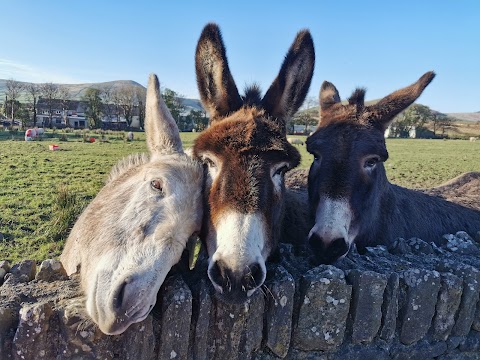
349	194
247	154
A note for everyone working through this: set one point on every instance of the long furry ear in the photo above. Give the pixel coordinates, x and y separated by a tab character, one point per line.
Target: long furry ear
382	113
216	86
328	96
161	130
289	89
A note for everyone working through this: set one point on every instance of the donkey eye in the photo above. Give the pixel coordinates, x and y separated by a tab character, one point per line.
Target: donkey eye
209	162
371	162
156	185
281	170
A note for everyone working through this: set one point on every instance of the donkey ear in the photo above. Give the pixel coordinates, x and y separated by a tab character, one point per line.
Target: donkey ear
160	127
215	83
328	96
289	89
382	113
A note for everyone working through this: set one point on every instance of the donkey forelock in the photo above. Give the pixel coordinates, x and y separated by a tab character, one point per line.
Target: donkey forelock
247	155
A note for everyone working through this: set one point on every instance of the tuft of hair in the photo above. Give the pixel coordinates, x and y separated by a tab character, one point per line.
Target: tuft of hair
252	95
357	98
125	164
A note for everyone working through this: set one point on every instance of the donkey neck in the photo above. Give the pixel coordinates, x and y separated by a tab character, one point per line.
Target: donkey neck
402	212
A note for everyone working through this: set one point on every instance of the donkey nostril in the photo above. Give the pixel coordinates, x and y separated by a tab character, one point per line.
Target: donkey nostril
253	277
316	243
337	248
120	295
217	272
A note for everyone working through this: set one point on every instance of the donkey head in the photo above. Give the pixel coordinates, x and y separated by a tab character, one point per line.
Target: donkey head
246	154
137	227
347	176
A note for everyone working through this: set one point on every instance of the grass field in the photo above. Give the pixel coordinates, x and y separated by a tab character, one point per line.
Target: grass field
43	191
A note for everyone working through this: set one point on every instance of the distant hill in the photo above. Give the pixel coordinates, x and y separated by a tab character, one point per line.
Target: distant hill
78	90
471	117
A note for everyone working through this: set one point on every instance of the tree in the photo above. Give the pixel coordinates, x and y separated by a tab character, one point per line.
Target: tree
13	106
13	91
141	95
199	119
125	98
414	117
174	104
108	102
34	91
50	94
307	116
444	123
64	96
23	115
94	107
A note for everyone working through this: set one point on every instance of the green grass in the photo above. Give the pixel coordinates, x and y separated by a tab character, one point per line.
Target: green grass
42	191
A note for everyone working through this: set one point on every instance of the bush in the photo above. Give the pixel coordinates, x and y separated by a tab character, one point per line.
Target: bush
66	208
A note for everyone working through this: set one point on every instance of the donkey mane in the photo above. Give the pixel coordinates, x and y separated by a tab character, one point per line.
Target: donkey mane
125	164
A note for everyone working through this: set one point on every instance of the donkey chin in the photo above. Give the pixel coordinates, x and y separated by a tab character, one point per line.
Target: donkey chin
237	265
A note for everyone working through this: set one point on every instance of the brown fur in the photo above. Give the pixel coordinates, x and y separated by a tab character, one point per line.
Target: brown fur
245	147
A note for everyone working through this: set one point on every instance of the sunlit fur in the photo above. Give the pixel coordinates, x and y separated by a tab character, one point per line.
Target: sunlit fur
246	154
132	233
350	197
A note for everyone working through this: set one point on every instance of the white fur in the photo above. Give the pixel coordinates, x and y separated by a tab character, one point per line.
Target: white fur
333	220
240	242
133	233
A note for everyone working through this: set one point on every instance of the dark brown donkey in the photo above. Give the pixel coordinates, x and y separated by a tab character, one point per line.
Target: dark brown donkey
247	154
349	194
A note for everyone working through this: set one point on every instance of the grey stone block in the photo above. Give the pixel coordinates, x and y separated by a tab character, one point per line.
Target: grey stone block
471	343
323	310
51	270
31	341
237	329
279	304
476	319
358	352
449	298
422	288
202	312
468	304
176	305
22	272
366	305
8	325
419	351
390	308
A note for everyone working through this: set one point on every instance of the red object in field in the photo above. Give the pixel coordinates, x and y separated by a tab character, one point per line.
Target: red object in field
53	147
28	133
92	139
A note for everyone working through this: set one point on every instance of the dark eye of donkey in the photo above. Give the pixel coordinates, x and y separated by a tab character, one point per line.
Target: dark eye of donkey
281	171
156	185
371	162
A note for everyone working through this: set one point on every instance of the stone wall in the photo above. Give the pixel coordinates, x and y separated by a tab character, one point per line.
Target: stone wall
411	301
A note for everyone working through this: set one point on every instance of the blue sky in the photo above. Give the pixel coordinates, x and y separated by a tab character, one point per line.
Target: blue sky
381	45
